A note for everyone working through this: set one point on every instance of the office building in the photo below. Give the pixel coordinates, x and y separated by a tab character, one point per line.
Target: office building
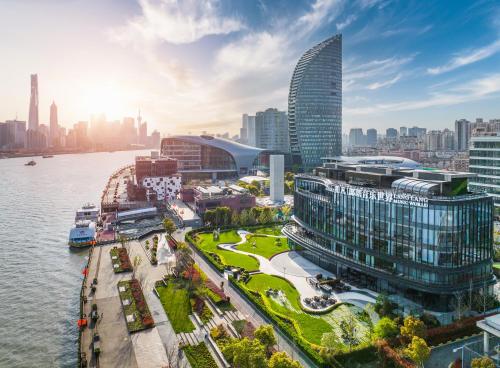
371	137
143	131
391	133
271	130
16	134
315	104
356	137
35	140
484	158
210	158
33	111
417	132
277	175
54	126
462	135
155	140
403	131
416	233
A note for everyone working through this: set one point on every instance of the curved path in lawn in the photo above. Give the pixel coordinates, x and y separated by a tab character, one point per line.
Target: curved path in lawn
297	269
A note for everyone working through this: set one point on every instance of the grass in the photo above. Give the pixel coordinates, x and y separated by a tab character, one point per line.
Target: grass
269	230
199	356
175	301
239	326
207	244
264	246
312	327
496	265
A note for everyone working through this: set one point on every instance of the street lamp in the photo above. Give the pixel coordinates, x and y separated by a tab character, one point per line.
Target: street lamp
462	354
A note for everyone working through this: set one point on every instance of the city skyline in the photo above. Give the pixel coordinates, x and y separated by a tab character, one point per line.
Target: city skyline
194	66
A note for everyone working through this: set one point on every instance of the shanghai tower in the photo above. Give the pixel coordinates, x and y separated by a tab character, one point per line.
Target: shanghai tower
33	115
315	104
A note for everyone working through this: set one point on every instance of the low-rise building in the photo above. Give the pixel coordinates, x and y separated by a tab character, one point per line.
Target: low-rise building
211	197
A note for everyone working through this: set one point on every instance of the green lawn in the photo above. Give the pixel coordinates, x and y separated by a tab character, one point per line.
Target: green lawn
264	246
206	243
199	356
175	300
312	326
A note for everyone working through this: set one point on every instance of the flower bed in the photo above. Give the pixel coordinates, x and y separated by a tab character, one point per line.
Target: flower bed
120	260
134	305
199	356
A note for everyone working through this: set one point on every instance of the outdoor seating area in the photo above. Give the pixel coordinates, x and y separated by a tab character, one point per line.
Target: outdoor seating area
328	284
320	302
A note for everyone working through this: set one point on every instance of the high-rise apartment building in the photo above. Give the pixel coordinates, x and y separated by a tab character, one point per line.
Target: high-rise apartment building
54	125
315	103
462	134
403	131
356	137
371	137
484	158
271	130
417	132
391	133
33	113
248	128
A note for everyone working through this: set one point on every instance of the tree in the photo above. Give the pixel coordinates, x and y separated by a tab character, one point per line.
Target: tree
385	328
348	331
183	258
418	351
209	217
123	240
331	342
281	359
265	334
136	263
245	353
412	327
384	307
235	218
265	216
286	210
169	226
244	217
483	362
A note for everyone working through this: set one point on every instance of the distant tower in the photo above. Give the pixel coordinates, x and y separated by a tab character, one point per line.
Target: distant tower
54	125
33	115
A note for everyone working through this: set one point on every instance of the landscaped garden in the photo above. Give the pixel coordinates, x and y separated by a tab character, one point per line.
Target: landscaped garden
347	326
135	308
265	246
120	260
220	257
175	300
199	356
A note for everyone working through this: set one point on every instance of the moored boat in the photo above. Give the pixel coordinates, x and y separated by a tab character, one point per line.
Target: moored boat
82	234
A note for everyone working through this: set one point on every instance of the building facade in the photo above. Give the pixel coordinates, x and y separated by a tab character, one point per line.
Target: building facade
33	111
484	160
54	125
271	130
371	137
411	232
462	134
315	104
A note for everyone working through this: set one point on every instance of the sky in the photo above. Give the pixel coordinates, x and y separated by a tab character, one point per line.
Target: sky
198	65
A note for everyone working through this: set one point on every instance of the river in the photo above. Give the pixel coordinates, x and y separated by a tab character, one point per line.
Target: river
40	277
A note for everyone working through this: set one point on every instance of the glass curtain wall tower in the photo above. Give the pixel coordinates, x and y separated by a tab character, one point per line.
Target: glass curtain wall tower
315	104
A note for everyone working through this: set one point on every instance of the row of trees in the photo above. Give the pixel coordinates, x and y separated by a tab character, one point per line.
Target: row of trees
223	216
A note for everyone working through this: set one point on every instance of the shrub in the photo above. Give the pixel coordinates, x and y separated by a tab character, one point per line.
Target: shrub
385	328
483	362
412	327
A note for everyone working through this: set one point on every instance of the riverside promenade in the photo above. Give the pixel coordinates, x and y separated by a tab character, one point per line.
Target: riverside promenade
148	348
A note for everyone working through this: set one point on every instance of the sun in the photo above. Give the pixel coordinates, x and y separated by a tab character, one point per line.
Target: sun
106	98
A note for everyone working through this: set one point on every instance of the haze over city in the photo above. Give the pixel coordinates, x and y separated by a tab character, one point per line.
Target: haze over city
196	66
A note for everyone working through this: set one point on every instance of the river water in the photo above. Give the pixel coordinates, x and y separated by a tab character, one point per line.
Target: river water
40	277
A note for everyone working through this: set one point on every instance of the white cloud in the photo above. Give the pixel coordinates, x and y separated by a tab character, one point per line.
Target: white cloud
177	22
478	89
322	12
386	83
467	58
347	22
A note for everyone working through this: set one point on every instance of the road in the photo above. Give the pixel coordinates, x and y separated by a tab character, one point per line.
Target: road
242	305
442	355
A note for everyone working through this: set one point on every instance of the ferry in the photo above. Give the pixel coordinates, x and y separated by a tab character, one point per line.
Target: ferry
30	163
82	234
87	212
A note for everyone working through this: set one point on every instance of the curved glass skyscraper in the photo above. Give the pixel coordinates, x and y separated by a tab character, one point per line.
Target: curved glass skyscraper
315	103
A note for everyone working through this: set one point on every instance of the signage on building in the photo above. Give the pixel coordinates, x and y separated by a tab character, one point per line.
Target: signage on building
401	198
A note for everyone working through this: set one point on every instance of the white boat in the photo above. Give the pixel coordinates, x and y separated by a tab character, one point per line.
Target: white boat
82	234
87	212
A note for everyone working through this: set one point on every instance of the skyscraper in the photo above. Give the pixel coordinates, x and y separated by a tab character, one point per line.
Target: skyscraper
248	123
315	103
33	114
271	130
371	137
356	137
54	126
462	134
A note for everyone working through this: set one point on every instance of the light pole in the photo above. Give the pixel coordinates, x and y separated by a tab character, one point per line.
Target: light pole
462	354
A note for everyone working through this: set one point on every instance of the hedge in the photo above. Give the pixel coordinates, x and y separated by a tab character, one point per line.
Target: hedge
456	330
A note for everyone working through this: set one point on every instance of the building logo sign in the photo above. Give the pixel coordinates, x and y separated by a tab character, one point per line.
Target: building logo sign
401	198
